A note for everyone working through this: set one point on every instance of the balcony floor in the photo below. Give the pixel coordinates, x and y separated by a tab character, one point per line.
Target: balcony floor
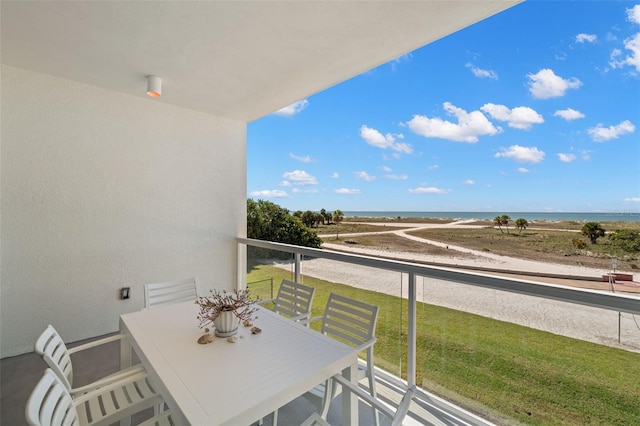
19	374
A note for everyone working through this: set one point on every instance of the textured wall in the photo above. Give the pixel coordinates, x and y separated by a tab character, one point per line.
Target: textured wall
101	190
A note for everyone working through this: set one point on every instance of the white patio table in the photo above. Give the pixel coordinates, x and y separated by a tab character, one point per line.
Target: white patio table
223	383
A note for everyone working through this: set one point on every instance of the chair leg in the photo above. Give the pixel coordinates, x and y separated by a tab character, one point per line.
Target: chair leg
372	389
275	418
326	400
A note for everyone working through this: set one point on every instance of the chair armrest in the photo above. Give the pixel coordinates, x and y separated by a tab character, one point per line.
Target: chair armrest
300	318
366	344
96	343
263	301
310	320
99	384
402	409
108	388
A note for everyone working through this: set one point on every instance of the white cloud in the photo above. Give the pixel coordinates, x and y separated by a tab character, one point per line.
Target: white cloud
469	182
433	167
293	109
304	191
400	59
285	183
467	129
347	191
566	158
632	44
269	193
603	134
633	14
300	177
377	139
428	190
386	169
632	200
522	170
364	176
397	177
568	114
305	159
521	154
518	118
546	84
586	38
482	73
335	175
585	154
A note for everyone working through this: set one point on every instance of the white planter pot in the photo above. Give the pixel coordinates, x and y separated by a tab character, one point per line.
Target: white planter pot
226	324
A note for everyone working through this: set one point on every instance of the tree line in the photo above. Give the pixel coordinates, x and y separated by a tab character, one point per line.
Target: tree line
626	239
314	219
268	221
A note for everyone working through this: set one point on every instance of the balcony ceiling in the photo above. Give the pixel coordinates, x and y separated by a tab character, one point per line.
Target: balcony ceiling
235	59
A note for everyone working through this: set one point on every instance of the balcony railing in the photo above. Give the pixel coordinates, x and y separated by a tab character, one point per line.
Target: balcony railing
414	286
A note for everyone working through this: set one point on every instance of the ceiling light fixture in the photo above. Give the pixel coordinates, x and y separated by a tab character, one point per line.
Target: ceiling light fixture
154	86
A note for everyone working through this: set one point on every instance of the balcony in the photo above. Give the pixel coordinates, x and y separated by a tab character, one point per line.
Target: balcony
531	314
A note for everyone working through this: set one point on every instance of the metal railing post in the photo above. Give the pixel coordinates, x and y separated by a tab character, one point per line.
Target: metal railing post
298	258
412	333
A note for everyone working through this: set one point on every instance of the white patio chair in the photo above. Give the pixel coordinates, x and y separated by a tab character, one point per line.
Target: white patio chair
55	353
157	294
293	300
396	416
51	404
352	322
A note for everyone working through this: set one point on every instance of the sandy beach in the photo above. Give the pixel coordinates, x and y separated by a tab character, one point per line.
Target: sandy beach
580	322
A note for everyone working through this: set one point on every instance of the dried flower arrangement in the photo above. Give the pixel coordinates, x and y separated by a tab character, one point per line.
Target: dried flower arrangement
239	302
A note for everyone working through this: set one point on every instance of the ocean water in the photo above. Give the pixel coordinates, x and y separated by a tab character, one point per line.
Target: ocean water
529	216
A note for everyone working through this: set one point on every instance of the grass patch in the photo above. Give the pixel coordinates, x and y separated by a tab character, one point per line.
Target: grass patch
397	243
523	374
553	246
352	228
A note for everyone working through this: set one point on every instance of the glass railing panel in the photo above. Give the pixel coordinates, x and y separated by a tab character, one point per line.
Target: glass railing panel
266	268
514	358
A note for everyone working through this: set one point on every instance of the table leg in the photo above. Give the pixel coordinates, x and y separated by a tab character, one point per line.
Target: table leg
125	361
349	399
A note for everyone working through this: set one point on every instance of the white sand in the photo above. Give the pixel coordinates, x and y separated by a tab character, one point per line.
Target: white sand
572	320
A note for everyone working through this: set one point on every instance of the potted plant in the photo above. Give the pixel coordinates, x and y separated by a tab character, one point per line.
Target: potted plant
225	309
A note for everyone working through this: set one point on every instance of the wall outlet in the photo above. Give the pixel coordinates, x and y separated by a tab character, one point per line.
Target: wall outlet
125	293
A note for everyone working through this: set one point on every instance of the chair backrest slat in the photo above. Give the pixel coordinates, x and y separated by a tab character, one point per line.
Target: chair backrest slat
294	299
50	403
349	320
52	349
156	294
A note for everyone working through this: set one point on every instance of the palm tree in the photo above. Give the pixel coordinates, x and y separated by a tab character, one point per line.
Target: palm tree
504	220
308	218
521	224
337	218
497	221
593	230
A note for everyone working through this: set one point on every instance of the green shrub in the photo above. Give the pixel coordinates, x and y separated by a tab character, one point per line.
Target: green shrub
578	244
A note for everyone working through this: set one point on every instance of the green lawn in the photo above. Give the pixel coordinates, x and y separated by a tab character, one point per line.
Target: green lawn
502	371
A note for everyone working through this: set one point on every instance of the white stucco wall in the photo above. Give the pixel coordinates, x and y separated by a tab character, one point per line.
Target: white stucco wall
101	190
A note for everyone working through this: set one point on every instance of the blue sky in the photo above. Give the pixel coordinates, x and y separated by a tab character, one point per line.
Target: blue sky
534	109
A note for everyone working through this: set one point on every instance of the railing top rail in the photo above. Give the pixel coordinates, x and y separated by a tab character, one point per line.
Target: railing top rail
611	301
